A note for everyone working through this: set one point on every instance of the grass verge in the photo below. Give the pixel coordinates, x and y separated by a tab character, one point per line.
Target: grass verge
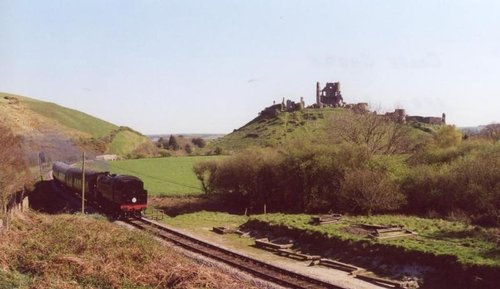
68	251
466	254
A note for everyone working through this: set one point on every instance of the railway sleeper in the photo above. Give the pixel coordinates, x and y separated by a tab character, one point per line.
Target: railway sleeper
297	255
270	246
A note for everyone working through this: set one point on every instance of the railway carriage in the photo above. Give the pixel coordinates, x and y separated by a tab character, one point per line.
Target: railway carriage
74	181
59	170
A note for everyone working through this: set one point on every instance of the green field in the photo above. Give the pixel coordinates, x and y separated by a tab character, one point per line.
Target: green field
162	176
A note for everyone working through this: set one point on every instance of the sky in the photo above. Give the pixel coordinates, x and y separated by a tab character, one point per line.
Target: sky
211	66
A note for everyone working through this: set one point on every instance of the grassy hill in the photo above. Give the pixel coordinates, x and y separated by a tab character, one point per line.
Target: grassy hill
287	126
62	133
70	118
308	124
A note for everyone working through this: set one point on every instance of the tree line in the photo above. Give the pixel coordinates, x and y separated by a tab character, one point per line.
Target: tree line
366	164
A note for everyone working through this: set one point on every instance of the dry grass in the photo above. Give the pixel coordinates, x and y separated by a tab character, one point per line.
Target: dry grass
68	251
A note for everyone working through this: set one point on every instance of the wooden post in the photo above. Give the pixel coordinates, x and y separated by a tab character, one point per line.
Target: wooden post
40	168
265	209
83	183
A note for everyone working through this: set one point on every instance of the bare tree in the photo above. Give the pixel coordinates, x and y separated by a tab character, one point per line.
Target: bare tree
369	191
378	133
491	131
13	168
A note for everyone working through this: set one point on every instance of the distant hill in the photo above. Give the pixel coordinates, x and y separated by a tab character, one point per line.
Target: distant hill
472	129
308	124
62	133
205	136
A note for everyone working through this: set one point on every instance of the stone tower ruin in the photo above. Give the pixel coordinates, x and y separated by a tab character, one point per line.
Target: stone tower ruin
330	95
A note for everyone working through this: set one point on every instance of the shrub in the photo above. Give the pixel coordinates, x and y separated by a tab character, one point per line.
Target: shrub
366	191
423	189
296	180
447	136
469	183
188	149
218	151
199	142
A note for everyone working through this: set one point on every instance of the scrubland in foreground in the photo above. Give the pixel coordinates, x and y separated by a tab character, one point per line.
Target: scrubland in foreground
71	251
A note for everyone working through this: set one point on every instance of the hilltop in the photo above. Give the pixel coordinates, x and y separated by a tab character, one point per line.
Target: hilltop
309	124
62	133
291	121
277	130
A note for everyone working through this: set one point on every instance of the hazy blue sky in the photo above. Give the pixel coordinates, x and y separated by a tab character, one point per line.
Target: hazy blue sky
211	66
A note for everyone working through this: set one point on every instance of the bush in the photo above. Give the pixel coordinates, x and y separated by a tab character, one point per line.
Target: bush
423	189
164	153
469	183
218	151
188	149
296	180
447	136
366	191
199	142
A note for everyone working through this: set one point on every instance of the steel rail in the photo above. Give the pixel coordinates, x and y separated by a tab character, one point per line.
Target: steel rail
245	263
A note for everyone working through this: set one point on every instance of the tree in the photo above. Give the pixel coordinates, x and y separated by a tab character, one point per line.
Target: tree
162	143
199	142
13	168
491	131
205	173
380	134
172	143
369	191
188	149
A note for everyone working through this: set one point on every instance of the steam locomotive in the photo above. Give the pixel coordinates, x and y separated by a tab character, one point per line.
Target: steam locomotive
120	195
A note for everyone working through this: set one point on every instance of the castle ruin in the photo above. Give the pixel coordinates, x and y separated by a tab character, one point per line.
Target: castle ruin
331	96
285	105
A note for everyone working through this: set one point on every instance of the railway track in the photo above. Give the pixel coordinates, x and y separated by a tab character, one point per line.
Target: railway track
255	267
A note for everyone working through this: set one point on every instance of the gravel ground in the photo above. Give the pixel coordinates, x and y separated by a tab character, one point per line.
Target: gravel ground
336	277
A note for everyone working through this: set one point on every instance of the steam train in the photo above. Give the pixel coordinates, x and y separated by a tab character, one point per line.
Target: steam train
119	195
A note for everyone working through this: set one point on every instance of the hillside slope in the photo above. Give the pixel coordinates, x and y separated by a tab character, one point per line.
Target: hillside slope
62	133
308	124
287	126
